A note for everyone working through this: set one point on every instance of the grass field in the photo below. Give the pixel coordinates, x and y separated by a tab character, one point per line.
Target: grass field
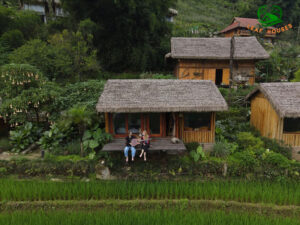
126	217
284	193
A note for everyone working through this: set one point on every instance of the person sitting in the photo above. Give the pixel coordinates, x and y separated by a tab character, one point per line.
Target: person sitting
145	142
129	146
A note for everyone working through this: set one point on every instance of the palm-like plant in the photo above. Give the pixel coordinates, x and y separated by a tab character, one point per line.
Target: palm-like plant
81	118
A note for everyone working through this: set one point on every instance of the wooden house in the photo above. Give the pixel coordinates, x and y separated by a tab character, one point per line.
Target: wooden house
242	27
44	8
185	109
225	61
275	112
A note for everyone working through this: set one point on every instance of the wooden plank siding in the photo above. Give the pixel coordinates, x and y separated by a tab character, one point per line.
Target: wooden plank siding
266	120
206	70
201	136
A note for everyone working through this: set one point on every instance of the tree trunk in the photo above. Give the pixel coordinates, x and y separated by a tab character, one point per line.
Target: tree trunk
81	147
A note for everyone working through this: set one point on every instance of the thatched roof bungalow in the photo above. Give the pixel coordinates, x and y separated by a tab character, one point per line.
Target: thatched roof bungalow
162	107
222	60
275	112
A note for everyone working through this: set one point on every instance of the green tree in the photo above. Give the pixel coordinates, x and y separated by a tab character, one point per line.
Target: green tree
131	35
12	39
26	94
80	94
79	49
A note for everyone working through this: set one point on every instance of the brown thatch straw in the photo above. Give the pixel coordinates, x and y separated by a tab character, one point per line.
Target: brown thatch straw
284	97
150	95
216	48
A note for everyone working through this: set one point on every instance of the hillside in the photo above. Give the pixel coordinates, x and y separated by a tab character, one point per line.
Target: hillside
206	16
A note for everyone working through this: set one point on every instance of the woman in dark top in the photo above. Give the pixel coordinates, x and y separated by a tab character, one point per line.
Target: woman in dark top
145	140
129	146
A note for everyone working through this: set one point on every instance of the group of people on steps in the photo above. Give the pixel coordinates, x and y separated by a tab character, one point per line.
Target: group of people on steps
132	141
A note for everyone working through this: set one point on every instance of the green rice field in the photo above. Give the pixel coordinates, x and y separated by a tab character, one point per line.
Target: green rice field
279	193
129	217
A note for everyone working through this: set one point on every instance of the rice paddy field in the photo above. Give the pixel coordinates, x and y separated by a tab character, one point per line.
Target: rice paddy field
130	217
279	193
235	202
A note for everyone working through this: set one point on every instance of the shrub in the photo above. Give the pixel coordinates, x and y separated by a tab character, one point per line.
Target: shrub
95	138
277	146
197	154
12	39
211	166
247	142
242	163
275	160
23	136
53	138
223	149
191	146
3	171
5	144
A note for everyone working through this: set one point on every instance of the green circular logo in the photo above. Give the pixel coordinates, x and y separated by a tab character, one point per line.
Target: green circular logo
269	15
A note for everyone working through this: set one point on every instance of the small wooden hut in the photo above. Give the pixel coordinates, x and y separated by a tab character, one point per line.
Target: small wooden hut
275	112
241	27
165	108
222	60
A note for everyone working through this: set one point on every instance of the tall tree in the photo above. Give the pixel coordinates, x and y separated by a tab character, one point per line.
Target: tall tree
130	35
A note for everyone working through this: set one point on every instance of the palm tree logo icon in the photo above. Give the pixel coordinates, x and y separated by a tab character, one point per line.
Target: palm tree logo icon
269	16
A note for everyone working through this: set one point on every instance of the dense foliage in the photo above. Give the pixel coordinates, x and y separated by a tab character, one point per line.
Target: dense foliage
130	35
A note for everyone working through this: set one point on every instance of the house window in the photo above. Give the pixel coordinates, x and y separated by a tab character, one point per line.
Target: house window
134	122
119	121
197	121
291	125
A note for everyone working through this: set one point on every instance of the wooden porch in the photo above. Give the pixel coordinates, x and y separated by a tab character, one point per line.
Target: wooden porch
157	144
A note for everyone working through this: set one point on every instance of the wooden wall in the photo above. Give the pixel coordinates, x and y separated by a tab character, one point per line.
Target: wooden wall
201	136
266	120
206	69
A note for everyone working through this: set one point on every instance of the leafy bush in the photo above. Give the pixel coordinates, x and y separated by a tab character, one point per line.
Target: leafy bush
95	138
3	171
223	148
242	163
23	136
54	138
191	146
197	154
212	166
277	146
247	142
12	39
5	144
275	160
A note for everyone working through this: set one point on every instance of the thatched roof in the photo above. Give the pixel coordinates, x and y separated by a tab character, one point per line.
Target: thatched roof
216	48
284	97
160	95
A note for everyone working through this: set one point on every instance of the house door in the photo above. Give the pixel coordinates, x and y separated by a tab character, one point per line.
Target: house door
154	125
219	76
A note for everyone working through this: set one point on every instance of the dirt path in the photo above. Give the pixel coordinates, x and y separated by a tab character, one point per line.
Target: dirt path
8	155
204	205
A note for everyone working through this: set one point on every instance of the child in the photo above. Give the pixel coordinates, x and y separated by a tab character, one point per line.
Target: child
145	141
